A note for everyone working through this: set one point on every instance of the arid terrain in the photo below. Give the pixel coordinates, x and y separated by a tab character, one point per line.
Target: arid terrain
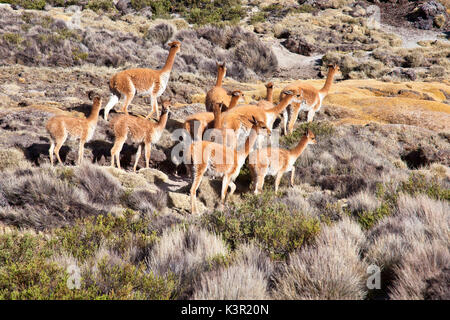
373	192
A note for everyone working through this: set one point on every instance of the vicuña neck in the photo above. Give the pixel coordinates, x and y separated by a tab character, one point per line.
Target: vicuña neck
93	116
328	82
300	147
220	76
269	94
249	143
233	102
170	60
281	105
217	113
163	121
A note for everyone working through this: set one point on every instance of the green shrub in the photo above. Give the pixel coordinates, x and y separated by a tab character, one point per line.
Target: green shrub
101	5
141	4
271	223
26	272
319	128
28	4
418	183
83	239
258	17
12	38
367	219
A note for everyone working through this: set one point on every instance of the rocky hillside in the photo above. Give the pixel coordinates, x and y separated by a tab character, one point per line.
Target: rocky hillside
375	189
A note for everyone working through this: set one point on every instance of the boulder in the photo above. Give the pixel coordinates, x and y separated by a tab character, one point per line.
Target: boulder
124	6
182	202
429	14
153	175
297	44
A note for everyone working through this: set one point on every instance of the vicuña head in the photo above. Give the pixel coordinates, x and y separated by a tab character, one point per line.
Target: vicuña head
175	46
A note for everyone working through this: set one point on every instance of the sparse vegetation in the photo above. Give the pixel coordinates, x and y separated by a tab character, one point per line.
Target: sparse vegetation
374	189
277	229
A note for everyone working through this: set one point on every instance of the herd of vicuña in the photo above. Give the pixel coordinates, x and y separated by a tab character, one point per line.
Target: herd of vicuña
226	121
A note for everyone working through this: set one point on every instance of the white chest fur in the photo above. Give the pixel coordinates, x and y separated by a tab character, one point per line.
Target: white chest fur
156	136
163	80
91	131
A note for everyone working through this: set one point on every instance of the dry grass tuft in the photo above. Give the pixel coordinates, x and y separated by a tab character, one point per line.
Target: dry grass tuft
330	269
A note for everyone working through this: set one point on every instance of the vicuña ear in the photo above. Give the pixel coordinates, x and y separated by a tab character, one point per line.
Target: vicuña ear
289	92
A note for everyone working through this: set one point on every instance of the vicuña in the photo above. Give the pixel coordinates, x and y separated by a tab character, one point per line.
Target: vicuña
217	94
312	102
142	131
141	81
60	127
224	161
276	161
268	102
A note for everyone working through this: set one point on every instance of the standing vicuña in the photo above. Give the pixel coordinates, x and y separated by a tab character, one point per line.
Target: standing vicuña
313	99
217	94
276	161
142	131
141	81
224	161
60	127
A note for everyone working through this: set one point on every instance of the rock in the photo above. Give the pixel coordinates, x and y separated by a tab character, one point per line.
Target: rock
440	20
124	6
146	12
209	192
424	15
410	74
183	202
297	44
72	9
153	175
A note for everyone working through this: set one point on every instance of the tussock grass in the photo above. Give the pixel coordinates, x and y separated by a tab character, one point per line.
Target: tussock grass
330	269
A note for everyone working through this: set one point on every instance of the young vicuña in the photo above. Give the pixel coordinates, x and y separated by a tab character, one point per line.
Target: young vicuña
277	161
224	161
61	127
141	131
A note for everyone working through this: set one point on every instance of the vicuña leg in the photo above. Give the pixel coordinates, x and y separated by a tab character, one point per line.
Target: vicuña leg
81	152
198	172
285	120
59	143
50	151
115	150
259	182
148	149
138	155
278	179
127	102
295	109
292	176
